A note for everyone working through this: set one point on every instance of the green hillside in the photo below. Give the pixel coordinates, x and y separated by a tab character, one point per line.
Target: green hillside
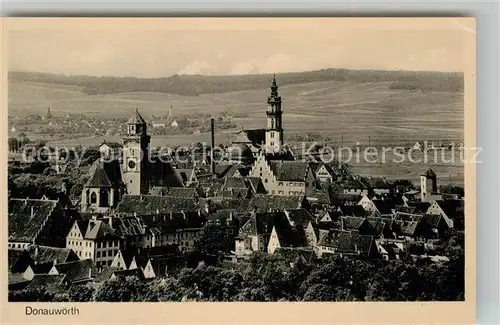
193	85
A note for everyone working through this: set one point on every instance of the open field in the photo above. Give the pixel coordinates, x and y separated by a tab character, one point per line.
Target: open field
351	111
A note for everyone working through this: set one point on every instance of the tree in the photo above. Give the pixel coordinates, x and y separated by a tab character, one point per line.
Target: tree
121	289
214	240
13	144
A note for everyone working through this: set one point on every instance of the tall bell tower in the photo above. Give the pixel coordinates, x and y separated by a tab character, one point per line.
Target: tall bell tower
274	130
136	156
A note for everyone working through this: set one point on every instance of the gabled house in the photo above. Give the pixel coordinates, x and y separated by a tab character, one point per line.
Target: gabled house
151	204
110	150
355	185
378	185
39	255
37	222
344	243
380	227
187	175
94	239
263	203
359	225
78	272
104	188
125	259
254	234
324	173
452	211
391	250
285	236
412	226
51	283
287	178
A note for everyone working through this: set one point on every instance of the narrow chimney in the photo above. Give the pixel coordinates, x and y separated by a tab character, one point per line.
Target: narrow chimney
212	134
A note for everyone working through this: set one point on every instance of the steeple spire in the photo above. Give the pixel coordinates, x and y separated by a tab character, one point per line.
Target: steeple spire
274	87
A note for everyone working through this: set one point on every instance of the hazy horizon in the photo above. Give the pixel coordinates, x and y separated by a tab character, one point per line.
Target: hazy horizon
155	48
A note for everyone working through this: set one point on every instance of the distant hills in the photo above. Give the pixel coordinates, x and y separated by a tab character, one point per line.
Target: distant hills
193	85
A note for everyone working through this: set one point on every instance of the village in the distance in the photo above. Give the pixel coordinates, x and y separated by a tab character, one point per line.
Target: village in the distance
255	220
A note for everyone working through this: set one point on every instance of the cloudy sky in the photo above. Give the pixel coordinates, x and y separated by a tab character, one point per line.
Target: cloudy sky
162	47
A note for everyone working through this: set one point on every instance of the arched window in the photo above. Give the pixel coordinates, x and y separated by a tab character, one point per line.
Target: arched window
93	198
104	198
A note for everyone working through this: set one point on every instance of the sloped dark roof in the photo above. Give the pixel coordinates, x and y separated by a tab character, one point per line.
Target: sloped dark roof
126	273
111	144
149	204
429	174
384	206
378	225
222	214
47	279
234	193
14	256
239	205
289	171
401	216
128	226
95	229
261	223
105	274
347	242
256	184
42	268
27	217
404	208
136	118
352	223
105	174
354	183
320	196
408	228
340	199
432	219
288	235
17	278
222	168
163	174
241	152
183	192
46	254
254	136
264	202
235	183
299	217
128	255
242	170
175	221
76	271
452	208
354	211
420	207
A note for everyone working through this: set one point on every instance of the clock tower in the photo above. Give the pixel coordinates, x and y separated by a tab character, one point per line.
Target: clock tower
136	156
274	130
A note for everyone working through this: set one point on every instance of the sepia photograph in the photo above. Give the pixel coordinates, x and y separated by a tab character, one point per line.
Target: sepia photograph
239	160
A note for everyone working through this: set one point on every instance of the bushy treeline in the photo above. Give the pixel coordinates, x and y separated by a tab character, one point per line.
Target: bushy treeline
274	278
193	85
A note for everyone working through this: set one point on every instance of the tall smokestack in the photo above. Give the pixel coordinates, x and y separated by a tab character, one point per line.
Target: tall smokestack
212	133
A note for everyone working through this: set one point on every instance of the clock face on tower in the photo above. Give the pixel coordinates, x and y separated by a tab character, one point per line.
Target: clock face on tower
131	164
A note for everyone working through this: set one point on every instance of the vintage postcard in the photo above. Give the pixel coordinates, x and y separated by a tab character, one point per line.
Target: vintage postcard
239	170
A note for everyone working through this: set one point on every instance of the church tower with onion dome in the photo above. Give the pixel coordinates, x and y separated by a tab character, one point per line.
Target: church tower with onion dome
135	156
274	129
